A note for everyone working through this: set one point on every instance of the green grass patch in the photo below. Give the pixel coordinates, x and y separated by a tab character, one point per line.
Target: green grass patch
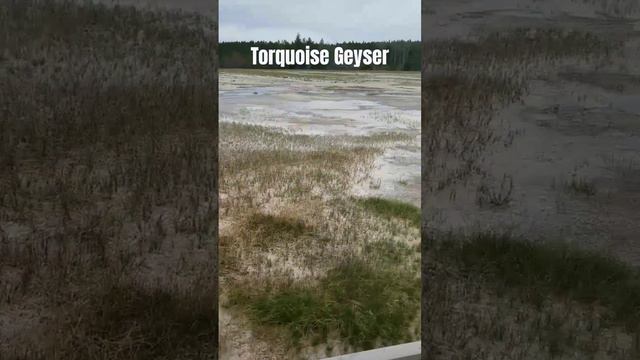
544	269
389	208
361	302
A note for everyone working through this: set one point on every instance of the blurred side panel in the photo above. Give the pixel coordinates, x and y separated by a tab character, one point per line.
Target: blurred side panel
531	179
108	180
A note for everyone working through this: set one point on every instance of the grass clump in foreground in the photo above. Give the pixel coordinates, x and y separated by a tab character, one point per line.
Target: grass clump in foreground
389	209
363	303
542	270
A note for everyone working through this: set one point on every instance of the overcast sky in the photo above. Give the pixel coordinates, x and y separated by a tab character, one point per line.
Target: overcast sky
332	20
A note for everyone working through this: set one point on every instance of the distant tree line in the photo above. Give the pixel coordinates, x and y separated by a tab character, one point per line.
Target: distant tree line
403	55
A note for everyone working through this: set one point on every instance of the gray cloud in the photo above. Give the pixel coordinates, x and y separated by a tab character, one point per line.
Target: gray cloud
333	20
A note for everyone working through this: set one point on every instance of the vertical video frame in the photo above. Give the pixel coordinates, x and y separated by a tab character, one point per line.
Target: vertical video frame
319	251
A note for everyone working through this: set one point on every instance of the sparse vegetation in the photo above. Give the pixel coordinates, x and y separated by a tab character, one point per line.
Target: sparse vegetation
487	293
306	267
107	182
465	83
